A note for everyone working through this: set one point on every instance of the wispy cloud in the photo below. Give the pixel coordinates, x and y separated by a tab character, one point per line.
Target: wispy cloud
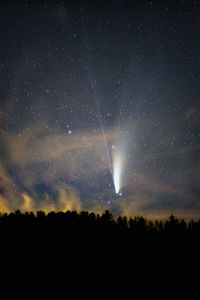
44	167
35	157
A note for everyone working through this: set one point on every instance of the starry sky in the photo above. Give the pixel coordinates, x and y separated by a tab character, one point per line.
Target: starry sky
88	85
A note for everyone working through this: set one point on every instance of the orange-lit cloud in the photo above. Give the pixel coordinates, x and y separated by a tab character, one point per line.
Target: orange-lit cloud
37	155
40	157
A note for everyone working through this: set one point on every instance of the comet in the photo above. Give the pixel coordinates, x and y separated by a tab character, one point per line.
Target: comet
117	173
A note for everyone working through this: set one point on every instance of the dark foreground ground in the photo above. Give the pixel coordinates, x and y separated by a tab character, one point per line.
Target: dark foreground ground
72	248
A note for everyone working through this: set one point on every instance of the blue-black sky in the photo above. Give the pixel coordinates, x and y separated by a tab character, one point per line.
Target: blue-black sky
83	82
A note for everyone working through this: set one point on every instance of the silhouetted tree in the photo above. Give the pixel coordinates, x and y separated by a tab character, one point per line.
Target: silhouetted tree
72	228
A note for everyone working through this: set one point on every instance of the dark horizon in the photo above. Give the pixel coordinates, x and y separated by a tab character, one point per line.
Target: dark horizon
70	221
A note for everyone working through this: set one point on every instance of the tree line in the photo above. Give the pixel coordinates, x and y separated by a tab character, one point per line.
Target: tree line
87	234
87	222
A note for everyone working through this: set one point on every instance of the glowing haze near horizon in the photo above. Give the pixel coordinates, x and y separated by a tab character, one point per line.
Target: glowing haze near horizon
100	106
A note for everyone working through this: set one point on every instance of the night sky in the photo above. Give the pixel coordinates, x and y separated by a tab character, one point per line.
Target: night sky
100	106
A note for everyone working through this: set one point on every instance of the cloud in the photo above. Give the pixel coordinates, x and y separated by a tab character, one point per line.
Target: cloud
45	167
3	205
13	196
8	190
37	158
67	200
